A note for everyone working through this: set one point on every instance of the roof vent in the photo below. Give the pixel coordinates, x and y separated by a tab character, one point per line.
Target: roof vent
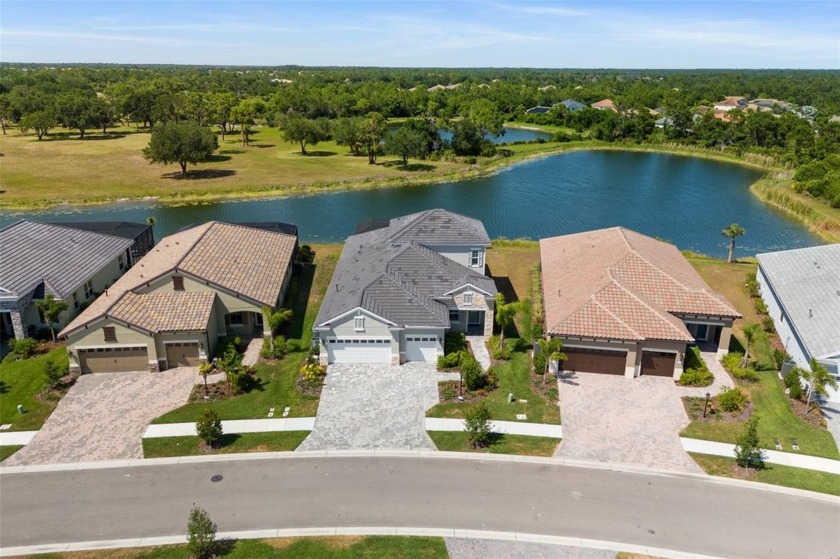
810	313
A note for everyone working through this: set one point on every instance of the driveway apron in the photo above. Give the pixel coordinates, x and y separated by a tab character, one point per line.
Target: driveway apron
103	417
374	407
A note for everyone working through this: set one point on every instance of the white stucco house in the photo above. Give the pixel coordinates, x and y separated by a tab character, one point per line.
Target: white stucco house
801	288
401	284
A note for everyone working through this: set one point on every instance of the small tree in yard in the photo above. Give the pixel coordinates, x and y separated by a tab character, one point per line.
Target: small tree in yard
505	313
747	452
201	534
181	143
209	427
550	350
51	309
477	421
732	232
818	378
53	373
276	319
750	332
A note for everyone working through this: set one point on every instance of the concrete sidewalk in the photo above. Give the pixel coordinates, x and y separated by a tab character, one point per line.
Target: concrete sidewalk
16	438
506	427
772	456
233	426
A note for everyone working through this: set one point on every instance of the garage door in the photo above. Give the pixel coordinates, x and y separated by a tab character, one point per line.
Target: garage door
658	364
182	354
359	350
583	360
421	348
113	360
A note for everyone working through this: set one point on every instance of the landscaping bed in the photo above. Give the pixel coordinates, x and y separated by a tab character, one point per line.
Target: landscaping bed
500	443
230	443
24	382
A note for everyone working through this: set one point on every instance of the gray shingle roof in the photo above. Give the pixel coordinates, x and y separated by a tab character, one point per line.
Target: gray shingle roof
807	282
573	105
51	257
389	272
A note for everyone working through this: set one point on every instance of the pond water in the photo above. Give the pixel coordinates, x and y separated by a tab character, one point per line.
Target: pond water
510	136
684	200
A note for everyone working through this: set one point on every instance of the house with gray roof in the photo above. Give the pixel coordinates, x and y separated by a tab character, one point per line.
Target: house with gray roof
572	105
401	284
40	259
141	234
801	288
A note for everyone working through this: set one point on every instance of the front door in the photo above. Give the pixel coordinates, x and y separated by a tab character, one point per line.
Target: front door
474	319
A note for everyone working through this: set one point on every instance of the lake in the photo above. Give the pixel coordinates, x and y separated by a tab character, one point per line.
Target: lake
684	200
510	136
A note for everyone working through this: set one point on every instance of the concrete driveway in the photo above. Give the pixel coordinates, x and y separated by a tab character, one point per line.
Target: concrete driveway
374	407
103	417
608	418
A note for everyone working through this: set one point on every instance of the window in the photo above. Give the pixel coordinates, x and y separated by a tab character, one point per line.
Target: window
110	333
359	324
468	296
454	315
476	258
88	289
235	317
121	261
178	284
75	301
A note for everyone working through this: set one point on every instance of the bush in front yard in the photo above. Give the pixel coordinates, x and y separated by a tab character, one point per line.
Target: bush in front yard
696	377
280	348
21	348
451	360
793	383
498	351
747	374
731	399
477	420
472	374
201	534
54	373
767	325
209	427
760	306
453	342
732	360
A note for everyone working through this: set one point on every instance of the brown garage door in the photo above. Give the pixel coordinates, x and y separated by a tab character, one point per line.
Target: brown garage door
113	360
182	354
583	360
659	364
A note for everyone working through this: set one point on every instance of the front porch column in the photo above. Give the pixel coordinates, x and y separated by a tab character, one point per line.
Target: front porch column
678	365
725	337
17	325
488	324
633	354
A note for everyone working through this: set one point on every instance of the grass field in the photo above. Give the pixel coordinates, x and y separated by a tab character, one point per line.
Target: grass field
798	478
337	547
20	382
501	444
6	451
231	443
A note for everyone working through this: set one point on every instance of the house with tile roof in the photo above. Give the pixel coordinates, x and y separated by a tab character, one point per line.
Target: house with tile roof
627	304
730	103
42	259
401	284
194	287
604	105
801	288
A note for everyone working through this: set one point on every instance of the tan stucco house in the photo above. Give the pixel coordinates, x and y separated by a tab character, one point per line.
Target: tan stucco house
626	304
194	287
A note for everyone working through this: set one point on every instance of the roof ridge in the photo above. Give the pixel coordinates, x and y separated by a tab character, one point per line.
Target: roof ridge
661	314
417	296
210	225
615	316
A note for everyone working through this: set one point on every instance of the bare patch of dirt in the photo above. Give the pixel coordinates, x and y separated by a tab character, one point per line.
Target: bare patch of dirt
448	393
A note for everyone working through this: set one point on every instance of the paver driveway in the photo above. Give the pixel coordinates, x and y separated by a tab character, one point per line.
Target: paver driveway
608	418
374	407
103	417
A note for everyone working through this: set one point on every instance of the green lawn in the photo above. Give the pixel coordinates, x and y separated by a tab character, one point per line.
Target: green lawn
6	451
277	380
799	478
513	378
231	443
20	382
337	547
502	444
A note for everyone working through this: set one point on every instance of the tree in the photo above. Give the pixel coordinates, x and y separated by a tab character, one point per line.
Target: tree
477	425
818	378
209	427
549	350
467	138
302	130
406	143
219	109
39	121
275	319
245	114
53	372
346	132
750	332
487	117
373	129
732	231
201	534
51	309
747	452
505	313
180	143
77	110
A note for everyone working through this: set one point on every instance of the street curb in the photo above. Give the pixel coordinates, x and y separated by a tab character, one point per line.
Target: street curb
581	543
419	454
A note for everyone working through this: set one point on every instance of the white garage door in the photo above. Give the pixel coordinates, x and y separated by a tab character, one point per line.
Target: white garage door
421	348
368	350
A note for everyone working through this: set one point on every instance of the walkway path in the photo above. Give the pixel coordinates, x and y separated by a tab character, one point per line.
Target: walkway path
16	438
479	349
506	427
721	375
163	430
771	456
252	352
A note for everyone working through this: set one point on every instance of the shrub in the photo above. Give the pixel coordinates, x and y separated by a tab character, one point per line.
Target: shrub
745	374
767	324
54	373
747	452
477	420
230	344
498	351
472	374
780	357
312	371
281	347
731	399
760	306
696	377
732	360
793	383
454	342
21	348
305	253
201	534
752	286
452	360
209	427
240	379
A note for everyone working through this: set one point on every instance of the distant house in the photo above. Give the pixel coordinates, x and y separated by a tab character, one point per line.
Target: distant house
770	104
173	306
141	234
604	105
801	288
538	110
663	122
42	259
626	304
547	88
401	284
440	87
731	103
572	105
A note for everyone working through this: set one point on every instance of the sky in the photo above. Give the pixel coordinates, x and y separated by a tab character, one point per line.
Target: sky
431	33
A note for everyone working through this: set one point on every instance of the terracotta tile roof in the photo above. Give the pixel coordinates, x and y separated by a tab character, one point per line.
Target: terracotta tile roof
604	104
165	312
619	284
241	259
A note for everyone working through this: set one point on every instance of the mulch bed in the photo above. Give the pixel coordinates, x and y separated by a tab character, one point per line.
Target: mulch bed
549	391
216	391
694	408
57	393
813	415
448	393
310	387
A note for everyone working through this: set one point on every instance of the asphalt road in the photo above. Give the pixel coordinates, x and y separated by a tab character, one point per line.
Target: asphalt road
671	512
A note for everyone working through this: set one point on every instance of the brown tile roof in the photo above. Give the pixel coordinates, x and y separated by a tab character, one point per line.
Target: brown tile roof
165	312
244	260
619	284
604	104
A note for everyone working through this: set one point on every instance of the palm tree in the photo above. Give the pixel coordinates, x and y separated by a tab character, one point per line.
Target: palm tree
505	314
750	331
732	231
51	308
818	378
275	319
